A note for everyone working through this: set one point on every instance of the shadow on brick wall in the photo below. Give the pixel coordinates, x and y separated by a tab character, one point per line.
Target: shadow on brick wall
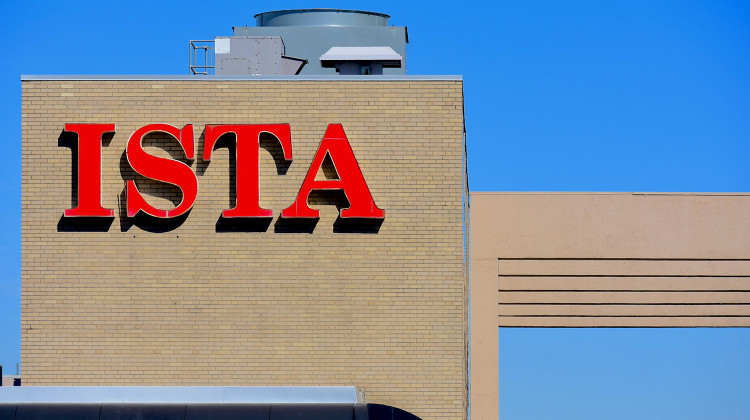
244	224
371	226
283	225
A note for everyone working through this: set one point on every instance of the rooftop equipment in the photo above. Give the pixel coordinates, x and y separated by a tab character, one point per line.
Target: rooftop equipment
306	42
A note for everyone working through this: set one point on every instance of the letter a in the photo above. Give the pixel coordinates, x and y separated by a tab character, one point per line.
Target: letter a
351	182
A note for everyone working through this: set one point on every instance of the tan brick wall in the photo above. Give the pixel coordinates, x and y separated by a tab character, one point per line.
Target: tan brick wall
127	306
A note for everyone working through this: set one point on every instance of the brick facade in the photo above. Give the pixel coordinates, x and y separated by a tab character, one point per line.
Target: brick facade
210	303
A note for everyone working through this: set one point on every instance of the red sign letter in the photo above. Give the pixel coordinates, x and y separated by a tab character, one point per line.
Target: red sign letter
165	170
246	171
351	181
89	170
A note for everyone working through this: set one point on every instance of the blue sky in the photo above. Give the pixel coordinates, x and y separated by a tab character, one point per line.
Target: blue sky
560	96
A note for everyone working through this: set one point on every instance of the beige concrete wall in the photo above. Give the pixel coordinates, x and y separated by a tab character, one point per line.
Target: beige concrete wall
603	260
8	380
127	306
483	340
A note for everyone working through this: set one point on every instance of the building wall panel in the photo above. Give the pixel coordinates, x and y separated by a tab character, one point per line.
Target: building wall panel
206	303
602	260
624	267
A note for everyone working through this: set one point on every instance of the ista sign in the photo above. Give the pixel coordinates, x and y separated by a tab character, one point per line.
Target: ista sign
334	144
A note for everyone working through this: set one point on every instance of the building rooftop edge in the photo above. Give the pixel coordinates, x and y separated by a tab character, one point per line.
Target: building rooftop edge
177	394
604	193
326	78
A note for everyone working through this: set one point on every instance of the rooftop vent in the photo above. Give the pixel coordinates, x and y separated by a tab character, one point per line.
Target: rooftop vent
320	17
360	60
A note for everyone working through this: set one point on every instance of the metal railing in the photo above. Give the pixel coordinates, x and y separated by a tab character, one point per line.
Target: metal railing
202	57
